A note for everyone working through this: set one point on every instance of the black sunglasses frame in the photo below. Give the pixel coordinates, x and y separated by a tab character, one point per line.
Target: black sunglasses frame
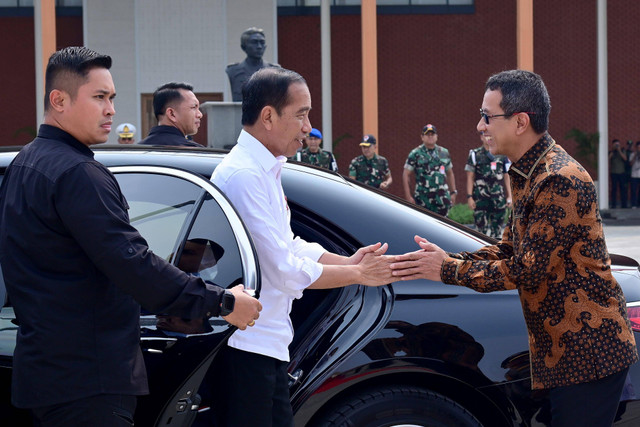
486	117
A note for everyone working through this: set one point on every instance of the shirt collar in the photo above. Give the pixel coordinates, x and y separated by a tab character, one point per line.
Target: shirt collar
166	129
53	132
527	163
256	149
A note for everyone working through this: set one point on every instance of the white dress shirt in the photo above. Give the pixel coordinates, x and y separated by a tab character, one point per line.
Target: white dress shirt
250	177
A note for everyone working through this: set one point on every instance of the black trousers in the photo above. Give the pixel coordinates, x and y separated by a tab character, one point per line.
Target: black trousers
103	410
618	187
592	404
252	390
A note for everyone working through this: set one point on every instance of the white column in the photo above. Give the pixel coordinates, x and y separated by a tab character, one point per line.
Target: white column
325	42
603	107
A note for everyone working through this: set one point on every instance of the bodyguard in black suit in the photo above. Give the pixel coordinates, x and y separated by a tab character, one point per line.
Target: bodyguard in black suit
177	110
76	270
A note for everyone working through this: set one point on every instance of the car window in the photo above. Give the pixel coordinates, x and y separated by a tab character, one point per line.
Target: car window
210	250
187	221
158	207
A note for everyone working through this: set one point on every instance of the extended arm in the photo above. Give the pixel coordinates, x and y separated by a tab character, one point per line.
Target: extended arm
545	230
100	225
366	267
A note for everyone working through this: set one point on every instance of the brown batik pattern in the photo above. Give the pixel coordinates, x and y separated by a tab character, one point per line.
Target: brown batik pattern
553	252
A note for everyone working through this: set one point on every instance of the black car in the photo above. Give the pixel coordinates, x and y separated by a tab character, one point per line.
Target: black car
409	353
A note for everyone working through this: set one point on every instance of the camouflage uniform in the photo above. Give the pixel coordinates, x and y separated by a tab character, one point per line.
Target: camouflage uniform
323	159
488	192
371	172
430	167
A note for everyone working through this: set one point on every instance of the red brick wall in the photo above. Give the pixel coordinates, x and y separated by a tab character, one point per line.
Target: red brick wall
432	69
624	63
566	57
17	71
17	110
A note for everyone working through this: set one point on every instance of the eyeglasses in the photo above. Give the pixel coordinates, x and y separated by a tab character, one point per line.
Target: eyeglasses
486	117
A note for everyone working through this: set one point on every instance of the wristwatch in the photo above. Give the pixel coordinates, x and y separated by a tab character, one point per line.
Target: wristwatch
227	303
469	196
454	192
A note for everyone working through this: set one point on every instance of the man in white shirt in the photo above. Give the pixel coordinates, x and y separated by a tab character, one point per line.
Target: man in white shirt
275	118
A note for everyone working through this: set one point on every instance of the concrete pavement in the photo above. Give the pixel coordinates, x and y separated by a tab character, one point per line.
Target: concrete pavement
623	240
622	231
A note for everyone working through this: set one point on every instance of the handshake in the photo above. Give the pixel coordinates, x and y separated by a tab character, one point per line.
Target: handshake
379	269
369	266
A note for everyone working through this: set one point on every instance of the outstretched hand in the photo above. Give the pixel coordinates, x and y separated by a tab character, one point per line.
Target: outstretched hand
424	263
375	266
360	253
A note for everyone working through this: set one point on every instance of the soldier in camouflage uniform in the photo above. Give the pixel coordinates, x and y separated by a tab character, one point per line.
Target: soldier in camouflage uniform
485	194
314	155
370	168
433	170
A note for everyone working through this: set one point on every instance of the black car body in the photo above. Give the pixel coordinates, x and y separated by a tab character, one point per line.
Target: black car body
411	352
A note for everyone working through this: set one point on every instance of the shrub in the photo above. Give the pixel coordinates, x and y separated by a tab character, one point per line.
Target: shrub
461	213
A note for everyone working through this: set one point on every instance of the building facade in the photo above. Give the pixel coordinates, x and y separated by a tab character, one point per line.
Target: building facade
433	62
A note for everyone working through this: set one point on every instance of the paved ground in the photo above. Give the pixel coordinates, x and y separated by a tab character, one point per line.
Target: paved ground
623	240
622	231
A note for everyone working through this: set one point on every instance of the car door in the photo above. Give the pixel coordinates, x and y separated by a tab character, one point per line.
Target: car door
190	223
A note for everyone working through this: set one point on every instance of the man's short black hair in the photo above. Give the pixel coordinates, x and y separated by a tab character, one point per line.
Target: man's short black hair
523	92
167	94
68	68
267	86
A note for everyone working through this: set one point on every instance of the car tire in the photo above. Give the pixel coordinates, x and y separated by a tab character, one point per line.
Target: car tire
399	406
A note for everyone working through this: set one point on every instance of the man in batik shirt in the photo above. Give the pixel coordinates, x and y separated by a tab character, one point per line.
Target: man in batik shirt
554	253
370	168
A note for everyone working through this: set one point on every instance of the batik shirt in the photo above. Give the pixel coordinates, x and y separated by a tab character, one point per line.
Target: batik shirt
554	253
371	172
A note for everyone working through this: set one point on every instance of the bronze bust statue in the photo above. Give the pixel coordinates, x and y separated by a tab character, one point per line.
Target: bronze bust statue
253	43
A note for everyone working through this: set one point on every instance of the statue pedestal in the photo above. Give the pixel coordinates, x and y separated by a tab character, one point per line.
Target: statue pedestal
224	123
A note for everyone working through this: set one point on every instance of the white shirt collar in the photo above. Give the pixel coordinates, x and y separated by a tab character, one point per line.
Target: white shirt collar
260	153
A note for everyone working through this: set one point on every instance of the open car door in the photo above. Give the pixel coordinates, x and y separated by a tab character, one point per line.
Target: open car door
190	223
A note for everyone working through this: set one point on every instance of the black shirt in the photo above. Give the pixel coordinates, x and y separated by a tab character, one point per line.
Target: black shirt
74	268
168	135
